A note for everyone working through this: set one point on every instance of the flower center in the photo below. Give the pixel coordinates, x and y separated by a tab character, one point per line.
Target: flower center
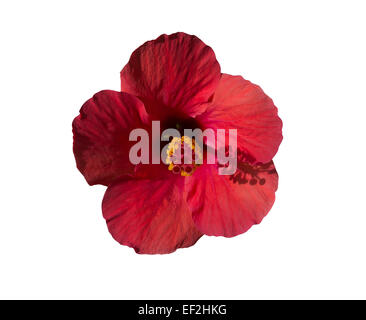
182	156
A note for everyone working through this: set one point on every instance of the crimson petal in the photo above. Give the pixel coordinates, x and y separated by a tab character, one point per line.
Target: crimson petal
177	71
101	135
224	205
150	216
242	105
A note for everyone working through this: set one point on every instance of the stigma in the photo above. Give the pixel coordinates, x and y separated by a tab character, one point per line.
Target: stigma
183	156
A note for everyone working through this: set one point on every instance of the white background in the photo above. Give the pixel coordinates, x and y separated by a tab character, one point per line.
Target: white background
309	56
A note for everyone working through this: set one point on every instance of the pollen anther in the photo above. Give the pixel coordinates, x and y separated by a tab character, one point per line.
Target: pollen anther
182	154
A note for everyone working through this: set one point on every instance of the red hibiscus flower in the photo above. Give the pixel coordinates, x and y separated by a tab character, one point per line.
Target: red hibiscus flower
176	79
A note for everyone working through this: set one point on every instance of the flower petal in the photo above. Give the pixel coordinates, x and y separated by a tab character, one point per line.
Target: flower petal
101	135
242	105
177	71
226	206
150	216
